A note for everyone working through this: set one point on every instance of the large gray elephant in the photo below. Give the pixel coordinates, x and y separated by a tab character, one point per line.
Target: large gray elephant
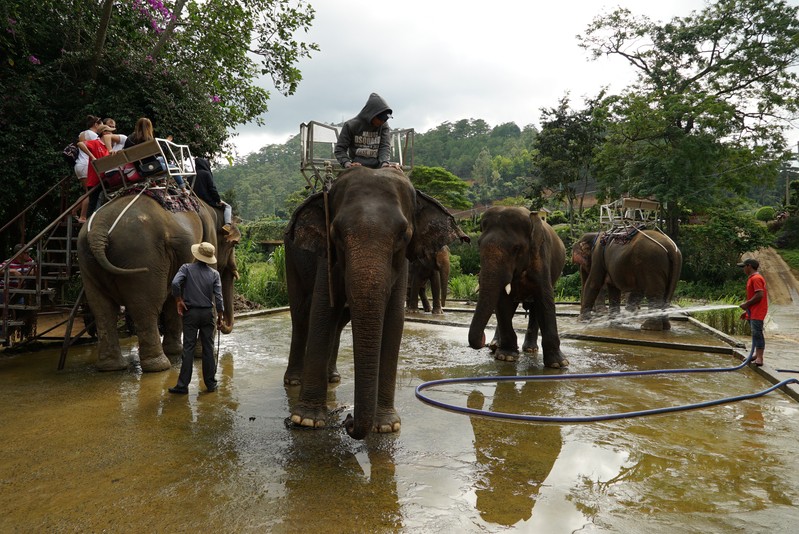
377	222
435	268
128	253
521	258
644	263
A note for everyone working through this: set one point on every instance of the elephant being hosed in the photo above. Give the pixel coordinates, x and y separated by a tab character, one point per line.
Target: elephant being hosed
128	254
521	257
377	222
644	263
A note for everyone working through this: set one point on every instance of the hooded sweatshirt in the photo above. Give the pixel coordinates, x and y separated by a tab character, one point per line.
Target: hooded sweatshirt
203	185
360	141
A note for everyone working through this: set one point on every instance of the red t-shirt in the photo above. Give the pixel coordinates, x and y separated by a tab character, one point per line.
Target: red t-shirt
98	150
755	283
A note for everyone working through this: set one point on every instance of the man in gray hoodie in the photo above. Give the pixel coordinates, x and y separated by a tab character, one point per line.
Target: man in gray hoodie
365	140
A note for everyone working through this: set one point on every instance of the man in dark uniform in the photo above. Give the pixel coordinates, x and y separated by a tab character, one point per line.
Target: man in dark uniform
197	288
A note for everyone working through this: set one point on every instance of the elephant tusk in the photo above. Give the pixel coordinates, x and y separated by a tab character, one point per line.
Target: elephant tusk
507	289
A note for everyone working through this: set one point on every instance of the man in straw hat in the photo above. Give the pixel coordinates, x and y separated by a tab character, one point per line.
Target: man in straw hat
197	288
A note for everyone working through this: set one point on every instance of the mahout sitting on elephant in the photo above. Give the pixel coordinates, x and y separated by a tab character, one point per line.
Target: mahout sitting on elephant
377	222
644	263
435	268
128	253
521	258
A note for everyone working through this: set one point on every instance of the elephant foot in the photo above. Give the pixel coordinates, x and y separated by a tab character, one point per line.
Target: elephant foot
291	381
387	422
584	317
173	348
438	311
493	346
155	364
666	324
530	349
112	364
557	364
506	355
653	324
556	361
309	417
333	377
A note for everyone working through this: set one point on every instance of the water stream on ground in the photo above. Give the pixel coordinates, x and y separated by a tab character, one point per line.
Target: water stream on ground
88	452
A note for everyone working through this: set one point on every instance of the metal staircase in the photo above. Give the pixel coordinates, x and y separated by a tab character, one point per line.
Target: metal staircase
50	288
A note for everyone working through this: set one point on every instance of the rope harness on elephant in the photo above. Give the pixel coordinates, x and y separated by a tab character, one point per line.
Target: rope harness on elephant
328	183
169	200
624	237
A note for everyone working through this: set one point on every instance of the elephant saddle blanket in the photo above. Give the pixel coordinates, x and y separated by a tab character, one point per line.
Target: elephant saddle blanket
620	236
170	199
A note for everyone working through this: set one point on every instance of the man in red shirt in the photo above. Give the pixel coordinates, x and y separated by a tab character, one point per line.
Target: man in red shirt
756	306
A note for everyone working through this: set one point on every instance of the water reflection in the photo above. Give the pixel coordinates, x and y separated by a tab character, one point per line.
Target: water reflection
86	451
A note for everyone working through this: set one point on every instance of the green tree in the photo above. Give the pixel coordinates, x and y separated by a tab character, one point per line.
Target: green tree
565	150
706	115
441	185
189	65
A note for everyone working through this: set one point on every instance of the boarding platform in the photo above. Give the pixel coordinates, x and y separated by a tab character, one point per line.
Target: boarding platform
318	162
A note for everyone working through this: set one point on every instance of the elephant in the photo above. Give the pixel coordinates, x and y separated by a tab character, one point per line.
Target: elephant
377	223
435	268
643	263
128	253
521	258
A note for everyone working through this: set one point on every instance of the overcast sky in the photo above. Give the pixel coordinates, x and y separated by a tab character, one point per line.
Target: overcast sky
436	61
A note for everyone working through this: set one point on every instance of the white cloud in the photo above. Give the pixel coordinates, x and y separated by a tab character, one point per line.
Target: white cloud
438	61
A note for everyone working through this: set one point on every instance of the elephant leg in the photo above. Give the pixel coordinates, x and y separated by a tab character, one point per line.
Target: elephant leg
508	349
172	343
151	355
614	300
423	297
311	407
530	344
657	322
435	287
544	311
386	417
105	312
300	311
333	376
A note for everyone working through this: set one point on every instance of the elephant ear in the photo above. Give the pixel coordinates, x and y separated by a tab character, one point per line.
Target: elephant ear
307	229
433	227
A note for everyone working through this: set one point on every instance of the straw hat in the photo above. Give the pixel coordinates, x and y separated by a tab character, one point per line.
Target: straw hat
204	252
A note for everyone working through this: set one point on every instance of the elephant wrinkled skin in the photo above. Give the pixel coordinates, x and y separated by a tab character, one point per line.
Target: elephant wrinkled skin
647	265
378	222
132	265
521	258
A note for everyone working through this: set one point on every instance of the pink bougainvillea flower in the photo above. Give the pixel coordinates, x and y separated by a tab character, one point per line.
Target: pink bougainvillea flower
215	99
34	60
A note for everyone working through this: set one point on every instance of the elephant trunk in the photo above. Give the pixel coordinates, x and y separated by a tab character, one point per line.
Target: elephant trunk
98	243
494	277
367	297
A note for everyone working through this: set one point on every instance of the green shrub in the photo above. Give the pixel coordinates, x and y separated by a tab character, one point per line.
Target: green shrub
568	287
469	255
557	217
789	237
727	320
463	287
262	282
766	213
791	257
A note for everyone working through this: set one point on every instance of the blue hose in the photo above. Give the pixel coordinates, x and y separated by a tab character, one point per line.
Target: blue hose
593	418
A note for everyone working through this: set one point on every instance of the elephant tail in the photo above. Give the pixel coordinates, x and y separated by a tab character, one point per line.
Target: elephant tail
98	244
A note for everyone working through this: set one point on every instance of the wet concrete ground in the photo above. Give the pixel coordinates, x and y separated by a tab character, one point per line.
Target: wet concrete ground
91	452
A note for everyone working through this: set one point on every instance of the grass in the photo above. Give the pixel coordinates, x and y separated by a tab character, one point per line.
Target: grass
726	320
791	257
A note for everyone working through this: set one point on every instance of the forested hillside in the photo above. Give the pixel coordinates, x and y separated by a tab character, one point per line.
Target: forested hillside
497	162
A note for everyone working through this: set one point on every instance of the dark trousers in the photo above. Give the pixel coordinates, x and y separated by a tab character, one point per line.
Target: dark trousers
198	320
